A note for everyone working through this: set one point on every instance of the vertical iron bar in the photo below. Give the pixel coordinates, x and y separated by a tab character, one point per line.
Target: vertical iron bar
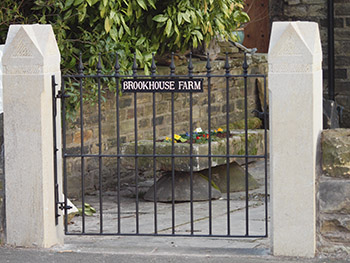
190	74
331	67
64	147
153	73
172	73
227	73
99	68
245	73
82	162
134	70
54	114
208	66
117	68
265	156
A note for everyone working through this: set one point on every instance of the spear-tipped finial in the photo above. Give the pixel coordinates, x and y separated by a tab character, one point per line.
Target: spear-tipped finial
80	65
208	66
190	65
245	64
153	66
134	65
172	64
227	64
116	66
99	64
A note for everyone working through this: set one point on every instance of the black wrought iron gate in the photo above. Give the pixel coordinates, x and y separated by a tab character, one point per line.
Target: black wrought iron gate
171	223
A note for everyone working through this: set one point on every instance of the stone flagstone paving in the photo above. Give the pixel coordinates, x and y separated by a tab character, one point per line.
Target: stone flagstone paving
182	213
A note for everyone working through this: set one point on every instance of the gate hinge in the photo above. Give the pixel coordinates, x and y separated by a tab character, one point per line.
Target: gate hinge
61	95
261	114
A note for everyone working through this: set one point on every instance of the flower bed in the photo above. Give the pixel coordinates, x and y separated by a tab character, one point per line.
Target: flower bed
198	136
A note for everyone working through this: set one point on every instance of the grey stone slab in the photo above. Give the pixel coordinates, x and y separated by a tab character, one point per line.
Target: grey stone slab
335	228
237	178
334	197
182	188
182	218
236	147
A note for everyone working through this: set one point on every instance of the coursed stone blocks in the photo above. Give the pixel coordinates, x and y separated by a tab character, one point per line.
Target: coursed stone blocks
333	195
336	153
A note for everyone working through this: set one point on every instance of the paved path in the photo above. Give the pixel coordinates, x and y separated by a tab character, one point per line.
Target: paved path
130	249
145	250
182	211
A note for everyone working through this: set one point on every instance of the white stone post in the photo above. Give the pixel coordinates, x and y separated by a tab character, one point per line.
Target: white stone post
1	52
30	57
295	88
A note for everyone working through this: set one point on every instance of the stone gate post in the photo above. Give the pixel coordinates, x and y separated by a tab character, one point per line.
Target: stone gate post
295	86
30	57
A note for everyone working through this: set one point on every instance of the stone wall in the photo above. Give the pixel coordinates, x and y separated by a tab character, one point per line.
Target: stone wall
316	10
257	64
333	194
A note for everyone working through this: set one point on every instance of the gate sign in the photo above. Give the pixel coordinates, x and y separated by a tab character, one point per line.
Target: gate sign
162	85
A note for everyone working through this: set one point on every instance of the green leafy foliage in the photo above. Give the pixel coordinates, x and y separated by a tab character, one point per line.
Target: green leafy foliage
142	27
88	210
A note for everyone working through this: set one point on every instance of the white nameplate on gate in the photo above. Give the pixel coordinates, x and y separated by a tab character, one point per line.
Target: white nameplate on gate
161	85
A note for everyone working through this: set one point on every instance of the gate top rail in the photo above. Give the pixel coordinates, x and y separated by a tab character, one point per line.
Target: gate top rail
172	67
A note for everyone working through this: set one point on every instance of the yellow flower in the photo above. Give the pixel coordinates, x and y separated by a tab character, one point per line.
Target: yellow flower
177	137
175	141
167	139
220	130
215	131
